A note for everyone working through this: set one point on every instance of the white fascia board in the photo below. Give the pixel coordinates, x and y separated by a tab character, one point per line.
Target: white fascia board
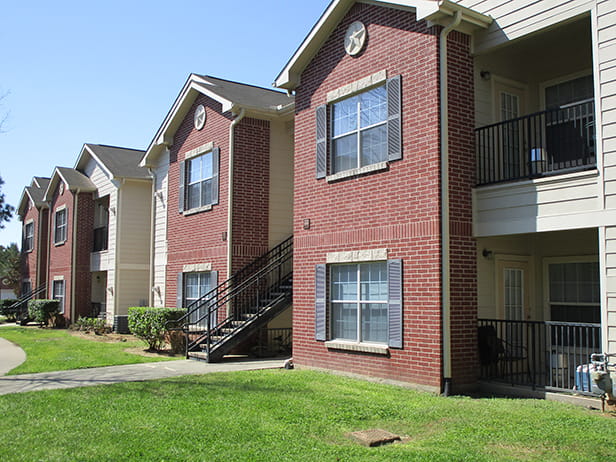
47	197
24	195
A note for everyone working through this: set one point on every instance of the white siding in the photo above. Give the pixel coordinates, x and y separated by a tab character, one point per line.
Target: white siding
160	230
537	205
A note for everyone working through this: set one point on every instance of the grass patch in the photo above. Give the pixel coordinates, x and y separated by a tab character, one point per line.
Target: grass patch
290	415
58	350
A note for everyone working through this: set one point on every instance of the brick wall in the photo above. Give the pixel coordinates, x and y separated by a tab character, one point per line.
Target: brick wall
463	279
84	240
60	255
397	209
198	238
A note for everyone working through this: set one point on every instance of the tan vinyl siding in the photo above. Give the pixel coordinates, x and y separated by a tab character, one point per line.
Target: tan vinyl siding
516	18
135	218
281	182
132	289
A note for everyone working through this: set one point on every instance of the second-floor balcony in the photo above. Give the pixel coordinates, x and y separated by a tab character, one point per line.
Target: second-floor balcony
100	239
545	143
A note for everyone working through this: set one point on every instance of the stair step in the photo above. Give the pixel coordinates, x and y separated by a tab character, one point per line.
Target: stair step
198	355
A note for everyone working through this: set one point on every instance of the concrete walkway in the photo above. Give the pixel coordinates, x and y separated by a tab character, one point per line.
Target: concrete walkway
127	373
11	356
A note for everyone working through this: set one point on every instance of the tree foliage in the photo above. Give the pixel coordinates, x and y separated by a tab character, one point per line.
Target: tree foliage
6	210
10	269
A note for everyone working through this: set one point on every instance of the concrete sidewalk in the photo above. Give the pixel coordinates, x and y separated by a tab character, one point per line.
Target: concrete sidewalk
11	356
127	373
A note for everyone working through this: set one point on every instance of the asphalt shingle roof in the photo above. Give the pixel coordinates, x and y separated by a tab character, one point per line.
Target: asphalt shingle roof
121	162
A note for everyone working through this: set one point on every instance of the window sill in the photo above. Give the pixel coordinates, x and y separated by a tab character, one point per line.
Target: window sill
357	171
204	208
358	347
59	243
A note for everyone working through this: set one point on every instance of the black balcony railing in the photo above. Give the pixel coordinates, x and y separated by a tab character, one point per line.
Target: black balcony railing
540	144
100	239
546	354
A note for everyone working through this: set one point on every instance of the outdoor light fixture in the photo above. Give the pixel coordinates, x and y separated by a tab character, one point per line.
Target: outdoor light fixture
485	75
486	253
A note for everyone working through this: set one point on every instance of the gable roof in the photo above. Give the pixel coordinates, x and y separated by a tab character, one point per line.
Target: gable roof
435	11
73	179
233	96
116	161
34	193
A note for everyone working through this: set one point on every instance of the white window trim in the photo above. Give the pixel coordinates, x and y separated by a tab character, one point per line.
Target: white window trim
547	261
55	225
53	295
561	79
197	268
357	171
188	156
29	222
207	147
356	256
354	345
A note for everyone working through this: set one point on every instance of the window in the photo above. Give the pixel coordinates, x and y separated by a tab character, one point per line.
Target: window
199	181
365	302
58	293
191	288
28	244
364	130
101	224
574	292
60	226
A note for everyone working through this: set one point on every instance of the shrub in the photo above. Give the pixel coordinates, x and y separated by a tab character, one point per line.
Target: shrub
43	310
11	315
95	325
150	324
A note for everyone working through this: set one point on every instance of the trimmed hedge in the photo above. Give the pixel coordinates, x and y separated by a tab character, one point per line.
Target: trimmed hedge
43	310
150	324
4	309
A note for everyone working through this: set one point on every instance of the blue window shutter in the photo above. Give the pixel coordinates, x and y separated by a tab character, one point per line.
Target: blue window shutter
394	278
215	175
320	304
394	119
180	291
181	193
321	141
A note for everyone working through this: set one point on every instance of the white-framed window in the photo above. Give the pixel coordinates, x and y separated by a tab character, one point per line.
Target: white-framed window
359	130
359	302
28	244
58	293
574	293
60	226
192	287
198	187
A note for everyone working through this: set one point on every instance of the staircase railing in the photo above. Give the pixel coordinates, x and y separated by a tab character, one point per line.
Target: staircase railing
20	307
242	297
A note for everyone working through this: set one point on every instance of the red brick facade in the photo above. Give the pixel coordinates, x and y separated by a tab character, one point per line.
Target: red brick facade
79	207
397	209
195	238
34	262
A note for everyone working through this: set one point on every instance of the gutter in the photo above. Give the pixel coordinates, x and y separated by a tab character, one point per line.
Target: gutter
230	191
445	234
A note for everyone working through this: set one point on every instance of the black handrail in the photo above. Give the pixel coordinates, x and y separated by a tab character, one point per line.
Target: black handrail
18	306
544	143
245	295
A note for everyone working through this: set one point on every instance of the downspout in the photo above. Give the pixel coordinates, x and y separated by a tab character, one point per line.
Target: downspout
74	255
230	192
118	242
152	173
445	267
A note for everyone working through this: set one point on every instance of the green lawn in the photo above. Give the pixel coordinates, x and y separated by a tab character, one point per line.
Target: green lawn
290	416
57	350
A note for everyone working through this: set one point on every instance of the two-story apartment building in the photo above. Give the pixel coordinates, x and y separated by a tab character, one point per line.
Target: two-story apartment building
33	212
222	164
453	170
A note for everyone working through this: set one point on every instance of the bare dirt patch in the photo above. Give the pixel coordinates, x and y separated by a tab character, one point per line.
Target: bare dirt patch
123	338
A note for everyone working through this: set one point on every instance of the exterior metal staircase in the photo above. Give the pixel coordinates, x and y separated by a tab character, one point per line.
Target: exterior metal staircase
20	307
233	311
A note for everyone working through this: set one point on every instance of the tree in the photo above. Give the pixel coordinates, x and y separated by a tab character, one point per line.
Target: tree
10	266
6	210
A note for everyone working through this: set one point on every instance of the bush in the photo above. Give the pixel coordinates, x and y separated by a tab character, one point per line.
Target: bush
150	324
95	325
11	315
43	311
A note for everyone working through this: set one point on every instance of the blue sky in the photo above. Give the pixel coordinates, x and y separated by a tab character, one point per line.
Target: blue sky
107	72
